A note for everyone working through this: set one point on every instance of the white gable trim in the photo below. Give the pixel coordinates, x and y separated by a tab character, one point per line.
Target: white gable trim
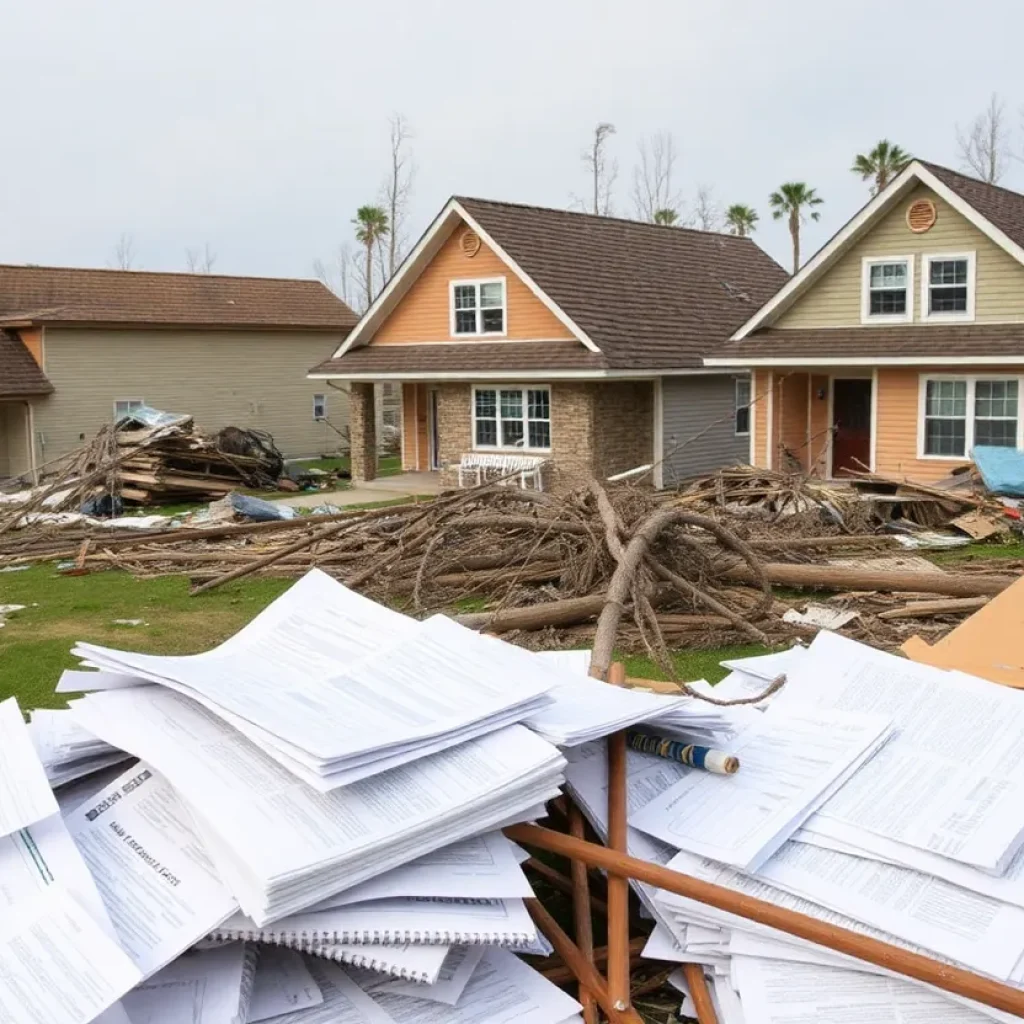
425	249
526	279
915	173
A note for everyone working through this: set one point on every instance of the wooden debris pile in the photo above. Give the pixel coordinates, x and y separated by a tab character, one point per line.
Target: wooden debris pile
540	567
152	466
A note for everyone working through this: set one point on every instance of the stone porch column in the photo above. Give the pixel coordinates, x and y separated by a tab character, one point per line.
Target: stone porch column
362	432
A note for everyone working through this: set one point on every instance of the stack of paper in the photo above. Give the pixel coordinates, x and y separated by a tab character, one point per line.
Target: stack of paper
915	846
336	688
68	751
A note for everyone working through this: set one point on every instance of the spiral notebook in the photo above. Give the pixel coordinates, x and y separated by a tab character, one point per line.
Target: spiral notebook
408	962
418	921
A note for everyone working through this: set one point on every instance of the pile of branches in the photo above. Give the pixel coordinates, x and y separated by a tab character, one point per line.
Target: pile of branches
543	568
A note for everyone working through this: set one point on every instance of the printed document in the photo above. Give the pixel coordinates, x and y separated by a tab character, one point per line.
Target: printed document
774	992
344	1002
483	867
56	964
157	881
311	680
25	794
458	968
209	987
974	930
502	990
919	791
788	761
283	984
260	824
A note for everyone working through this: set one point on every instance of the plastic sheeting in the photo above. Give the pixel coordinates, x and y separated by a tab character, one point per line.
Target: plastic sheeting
1002	469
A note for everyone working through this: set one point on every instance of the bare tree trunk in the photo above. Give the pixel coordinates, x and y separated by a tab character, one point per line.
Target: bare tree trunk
396	190
794	231
369	272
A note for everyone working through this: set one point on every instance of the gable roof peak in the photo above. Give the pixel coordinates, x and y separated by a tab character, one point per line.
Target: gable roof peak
585	215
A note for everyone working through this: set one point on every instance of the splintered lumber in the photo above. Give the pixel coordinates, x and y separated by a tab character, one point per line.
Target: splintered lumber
925	609
832	577
862	947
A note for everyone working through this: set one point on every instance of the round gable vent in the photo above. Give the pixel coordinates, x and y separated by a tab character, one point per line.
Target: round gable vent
470	243
921	215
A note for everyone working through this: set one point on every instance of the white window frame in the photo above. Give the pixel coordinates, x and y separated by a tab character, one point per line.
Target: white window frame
865	291
497	388
926	273
136	402
477	282
322	399
971	380
736	405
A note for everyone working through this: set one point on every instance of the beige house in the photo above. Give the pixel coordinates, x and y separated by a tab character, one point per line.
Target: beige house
80	347
900	345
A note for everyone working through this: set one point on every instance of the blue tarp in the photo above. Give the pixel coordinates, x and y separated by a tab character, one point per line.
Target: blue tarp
1002	469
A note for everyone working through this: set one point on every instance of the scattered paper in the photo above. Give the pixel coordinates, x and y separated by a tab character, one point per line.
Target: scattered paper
25	794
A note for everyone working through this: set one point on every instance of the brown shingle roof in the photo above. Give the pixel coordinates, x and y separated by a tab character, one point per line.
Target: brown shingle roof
1005	209
64	295
912	341
20	375
649	296
496	357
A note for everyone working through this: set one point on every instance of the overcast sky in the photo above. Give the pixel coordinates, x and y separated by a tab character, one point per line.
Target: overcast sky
260	126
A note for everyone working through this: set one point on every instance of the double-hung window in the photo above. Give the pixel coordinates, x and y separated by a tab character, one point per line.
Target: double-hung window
319	407
478	307
742	406
948	287
887	289
961	412
512	417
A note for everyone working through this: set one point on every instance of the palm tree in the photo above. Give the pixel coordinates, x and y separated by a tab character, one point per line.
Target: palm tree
882	164
665	215
741	220
371	224
790	202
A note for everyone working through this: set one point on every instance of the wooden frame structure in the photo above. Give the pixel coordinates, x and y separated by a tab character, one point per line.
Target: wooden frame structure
612	993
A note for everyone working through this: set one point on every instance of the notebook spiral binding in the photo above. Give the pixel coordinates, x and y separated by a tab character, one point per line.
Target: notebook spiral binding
384	937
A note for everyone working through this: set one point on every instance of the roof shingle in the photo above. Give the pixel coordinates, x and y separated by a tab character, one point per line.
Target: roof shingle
914	341
20	375
496	357
69	295
1000	206
649	296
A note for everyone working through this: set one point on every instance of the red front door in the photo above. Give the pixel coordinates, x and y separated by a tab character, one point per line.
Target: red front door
851	425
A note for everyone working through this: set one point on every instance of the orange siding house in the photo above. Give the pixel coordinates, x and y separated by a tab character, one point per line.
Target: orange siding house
518	335
899	346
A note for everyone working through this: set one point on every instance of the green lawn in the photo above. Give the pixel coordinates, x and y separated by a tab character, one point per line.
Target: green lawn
36	643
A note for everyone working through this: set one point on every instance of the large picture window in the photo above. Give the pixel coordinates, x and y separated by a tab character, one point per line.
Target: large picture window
961	412
512	417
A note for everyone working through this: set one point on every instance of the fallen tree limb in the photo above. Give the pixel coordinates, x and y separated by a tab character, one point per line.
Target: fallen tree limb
925	609
832	577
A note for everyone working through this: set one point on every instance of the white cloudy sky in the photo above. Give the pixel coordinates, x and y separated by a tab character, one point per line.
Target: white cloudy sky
260	125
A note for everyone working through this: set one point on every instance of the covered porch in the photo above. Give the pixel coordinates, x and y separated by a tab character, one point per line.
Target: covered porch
819	422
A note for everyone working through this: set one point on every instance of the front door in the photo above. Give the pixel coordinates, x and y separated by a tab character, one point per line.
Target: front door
851	425
433	437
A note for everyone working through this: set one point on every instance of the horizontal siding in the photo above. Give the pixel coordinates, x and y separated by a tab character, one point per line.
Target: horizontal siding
791	406
835	300
898	405
14	456
221	378
703	406
423	314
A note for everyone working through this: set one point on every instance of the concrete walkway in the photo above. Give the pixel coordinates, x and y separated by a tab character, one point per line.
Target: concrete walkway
386	488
